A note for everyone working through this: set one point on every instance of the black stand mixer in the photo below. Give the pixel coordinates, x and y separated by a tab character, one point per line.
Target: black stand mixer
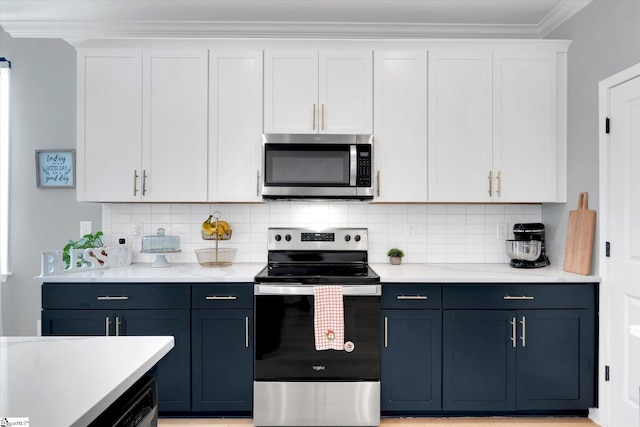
527	249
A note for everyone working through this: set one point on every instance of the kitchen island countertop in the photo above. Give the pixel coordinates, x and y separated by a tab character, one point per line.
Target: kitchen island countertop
404	273
69	381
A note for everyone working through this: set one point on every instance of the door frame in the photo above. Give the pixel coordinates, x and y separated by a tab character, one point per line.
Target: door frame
601	414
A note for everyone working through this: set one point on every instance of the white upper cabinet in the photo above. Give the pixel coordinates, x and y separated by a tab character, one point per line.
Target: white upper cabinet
109	125
174	143
493	127
318	92
400	126
142	125
235	117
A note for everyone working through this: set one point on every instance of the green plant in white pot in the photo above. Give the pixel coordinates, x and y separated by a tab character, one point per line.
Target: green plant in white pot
395	255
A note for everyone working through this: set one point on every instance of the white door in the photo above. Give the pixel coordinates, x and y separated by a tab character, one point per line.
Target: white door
623	266
291	92
174	143
346	92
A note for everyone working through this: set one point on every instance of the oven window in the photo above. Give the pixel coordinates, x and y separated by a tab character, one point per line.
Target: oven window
309	165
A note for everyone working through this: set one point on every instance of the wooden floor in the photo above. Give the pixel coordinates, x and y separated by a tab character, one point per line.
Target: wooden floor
407	422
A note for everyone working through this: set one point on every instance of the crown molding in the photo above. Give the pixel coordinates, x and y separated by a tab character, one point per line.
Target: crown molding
564	11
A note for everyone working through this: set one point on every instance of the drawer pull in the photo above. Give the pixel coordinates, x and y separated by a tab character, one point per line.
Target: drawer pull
517	298
113	298
386	331
217	298
246	332
412	297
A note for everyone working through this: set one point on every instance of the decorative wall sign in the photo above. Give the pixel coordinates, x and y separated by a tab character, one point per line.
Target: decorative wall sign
56	168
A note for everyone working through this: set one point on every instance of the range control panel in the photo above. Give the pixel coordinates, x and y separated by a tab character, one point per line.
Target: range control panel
331	239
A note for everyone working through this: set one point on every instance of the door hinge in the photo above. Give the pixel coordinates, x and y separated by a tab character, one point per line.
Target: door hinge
607	249
607	125
606	373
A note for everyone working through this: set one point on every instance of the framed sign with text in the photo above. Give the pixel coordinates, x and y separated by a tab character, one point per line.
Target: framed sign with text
56	168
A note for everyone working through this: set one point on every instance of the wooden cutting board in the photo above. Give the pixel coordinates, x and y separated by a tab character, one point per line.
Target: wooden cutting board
582	224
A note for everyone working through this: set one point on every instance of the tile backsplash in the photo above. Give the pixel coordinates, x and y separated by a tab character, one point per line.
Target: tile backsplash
433	233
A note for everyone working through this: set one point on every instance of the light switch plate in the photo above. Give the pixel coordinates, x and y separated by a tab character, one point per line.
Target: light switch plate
85	228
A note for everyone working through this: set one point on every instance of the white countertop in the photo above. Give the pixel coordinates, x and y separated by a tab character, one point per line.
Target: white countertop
404	273
69	381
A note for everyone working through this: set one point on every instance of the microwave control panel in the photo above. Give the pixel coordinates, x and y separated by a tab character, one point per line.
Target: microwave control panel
363	176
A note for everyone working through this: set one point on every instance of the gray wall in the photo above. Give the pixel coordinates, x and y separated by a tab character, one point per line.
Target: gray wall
43	115
606	40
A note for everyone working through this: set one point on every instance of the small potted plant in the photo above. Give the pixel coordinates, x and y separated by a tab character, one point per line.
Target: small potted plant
395	256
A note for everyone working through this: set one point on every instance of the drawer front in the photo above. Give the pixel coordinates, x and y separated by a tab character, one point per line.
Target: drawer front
519	296
115	296
222	296
411	296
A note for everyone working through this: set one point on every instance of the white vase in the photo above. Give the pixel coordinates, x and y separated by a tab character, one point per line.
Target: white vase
395	260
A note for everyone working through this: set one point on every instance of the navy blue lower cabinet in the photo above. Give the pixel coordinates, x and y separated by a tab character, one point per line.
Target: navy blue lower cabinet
78	322
411	361
222	361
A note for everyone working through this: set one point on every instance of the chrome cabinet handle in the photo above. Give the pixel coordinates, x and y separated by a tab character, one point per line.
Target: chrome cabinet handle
523	338
107	323
144	182
386	330
217	298
117	326
258	183
112	298
378	182
513	332
498	180
314	117
490	185
135	182
322	116
412	297
246	332
517	298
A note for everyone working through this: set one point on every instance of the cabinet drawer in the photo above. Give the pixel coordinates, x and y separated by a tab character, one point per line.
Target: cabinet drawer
222	296
114	296
547	296
411	296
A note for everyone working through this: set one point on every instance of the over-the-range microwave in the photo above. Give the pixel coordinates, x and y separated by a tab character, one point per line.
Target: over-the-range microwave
318	166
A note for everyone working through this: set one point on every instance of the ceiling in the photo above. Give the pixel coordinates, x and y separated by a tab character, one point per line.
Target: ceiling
93	19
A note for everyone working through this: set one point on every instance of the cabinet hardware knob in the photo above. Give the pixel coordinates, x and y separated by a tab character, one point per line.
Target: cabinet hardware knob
218	298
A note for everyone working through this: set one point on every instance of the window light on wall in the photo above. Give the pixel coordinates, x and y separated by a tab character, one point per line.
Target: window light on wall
5	78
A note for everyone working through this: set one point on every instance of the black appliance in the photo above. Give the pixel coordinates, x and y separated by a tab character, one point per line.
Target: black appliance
325	167
530	232
295	384
137	407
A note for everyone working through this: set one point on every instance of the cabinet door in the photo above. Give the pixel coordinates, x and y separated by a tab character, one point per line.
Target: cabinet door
400	126
78	322
460	129
345	92
525	126
174	369
235	117
222	361
175	126
109	124
479	360
411	361
291	92
556	360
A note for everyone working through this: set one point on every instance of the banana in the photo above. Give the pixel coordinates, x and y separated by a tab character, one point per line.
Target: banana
207	227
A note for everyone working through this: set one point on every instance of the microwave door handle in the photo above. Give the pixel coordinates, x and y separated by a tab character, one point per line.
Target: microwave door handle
353	155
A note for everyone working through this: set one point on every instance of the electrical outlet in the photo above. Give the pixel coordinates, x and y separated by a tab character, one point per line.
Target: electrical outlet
85	228
136	229
501	231
411	229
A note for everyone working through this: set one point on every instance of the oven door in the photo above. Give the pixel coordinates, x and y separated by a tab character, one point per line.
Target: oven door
284	335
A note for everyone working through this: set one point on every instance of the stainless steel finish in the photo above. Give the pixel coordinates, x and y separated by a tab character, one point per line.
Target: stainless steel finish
523	338
526	250
386	332
144	182
318	192
353	165
339	243
107	323
289	289
135	182
490	185
334	403
412	297
513	332
246	332
112	298
499	185
117	326
217	297
378	183
520	297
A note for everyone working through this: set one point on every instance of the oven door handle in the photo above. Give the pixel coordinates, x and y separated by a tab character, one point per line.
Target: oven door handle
289	289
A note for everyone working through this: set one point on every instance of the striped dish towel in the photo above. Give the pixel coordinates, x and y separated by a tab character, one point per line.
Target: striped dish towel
329	318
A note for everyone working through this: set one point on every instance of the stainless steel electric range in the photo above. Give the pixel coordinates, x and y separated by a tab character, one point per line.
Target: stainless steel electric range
295	384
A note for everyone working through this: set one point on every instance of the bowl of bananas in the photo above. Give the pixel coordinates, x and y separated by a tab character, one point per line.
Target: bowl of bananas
215	229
